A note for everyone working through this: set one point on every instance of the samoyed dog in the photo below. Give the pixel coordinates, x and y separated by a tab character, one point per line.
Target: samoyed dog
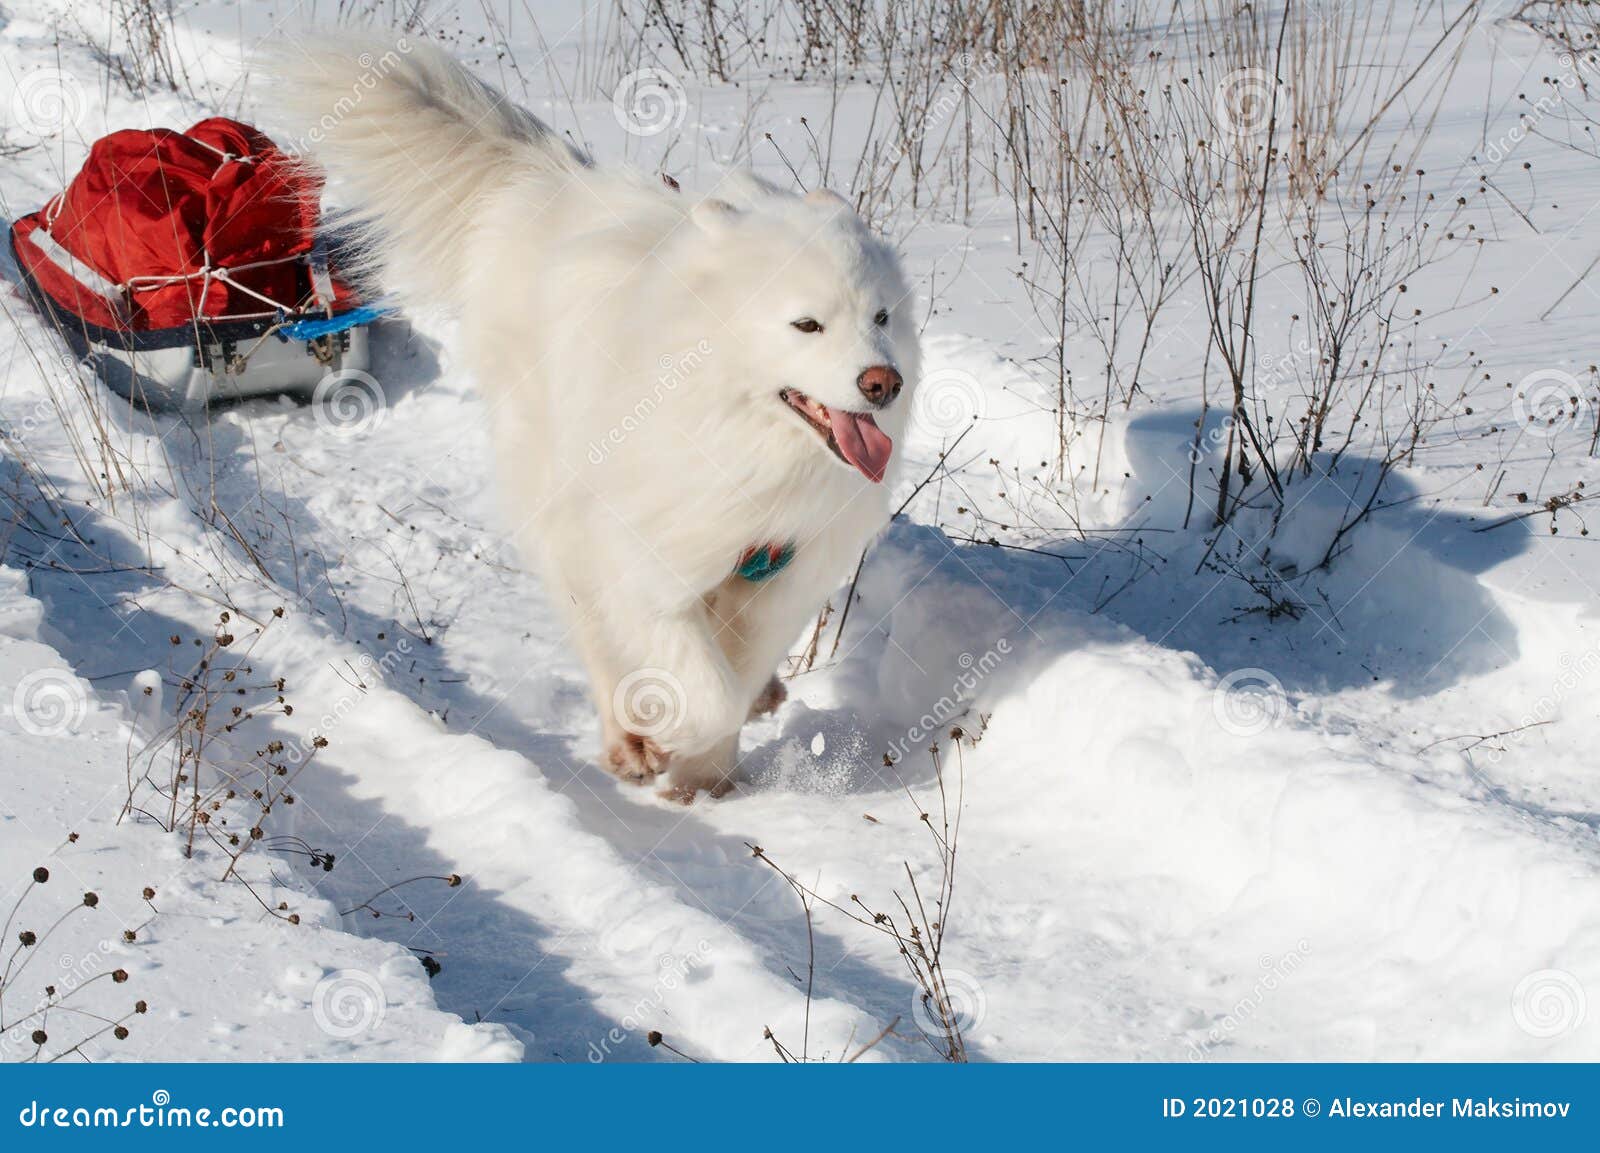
694	406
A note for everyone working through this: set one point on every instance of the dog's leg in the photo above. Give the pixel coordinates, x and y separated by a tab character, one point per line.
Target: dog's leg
728	607
695	676
754	624
769	698
711	771
676	687
662	686
757	623
632	756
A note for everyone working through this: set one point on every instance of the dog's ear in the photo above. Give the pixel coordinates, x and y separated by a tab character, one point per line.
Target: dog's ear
714	217
745	189
828	198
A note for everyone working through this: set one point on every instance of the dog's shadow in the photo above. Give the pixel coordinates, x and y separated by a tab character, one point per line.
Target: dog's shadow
497	960
901	655
716	872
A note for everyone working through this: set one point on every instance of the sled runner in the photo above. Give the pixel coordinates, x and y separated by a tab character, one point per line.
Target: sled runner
185	267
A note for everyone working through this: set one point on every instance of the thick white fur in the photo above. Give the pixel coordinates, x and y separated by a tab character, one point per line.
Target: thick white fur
631	346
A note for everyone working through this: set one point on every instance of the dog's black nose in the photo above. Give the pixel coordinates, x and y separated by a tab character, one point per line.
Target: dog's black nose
880	384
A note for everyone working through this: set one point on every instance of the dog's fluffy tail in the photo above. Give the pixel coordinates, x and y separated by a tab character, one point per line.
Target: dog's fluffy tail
413	143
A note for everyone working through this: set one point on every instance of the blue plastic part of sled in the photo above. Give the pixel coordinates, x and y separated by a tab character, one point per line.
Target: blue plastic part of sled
311	329
764	562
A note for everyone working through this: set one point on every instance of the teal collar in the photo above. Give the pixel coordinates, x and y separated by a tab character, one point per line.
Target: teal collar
759	562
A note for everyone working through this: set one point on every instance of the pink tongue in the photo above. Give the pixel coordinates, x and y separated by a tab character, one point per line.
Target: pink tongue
862	442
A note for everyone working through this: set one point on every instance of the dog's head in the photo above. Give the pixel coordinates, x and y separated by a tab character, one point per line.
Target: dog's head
821	312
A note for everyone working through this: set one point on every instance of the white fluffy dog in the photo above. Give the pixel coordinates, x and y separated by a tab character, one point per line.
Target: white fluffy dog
694	407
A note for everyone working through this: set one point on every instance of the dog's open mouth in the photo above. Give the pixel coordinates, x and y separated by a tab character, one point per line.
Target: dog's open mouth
853	437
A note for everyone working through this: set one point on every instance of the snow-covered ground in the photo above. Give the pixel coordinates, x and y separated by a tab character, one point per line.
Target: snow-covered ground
186	964
1189	829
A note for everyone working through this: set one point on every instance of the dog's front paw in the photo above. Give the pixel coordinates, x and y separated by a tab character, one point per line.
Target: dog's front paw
636	758
684	793
684	709
711	772
770	697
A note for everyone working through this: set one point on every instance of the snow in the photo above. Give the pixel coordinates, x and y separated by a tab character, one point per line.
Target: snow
218	981
1189	831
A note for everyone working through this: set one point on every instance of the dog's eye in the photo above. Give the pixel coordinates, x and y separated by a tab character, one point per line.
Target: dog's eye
806	324
882	318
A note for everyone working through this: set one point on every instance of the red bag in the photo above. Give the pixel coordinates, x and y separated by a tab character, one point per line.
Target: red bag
161	229
185	267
